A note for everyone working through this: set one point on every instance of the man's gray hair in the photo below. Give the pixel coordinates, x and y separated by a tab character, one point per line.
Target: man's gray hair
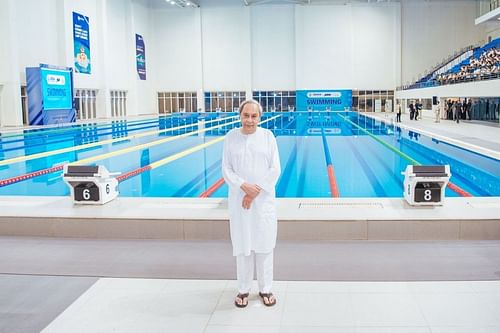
250	101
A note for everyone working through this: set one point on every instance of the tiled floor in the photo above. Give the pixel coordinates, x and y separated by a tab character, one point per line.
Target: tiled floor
144	305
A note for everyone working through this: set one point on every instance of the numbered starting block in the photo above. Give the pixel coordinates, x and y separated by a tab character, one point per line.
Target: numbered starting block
425	185
92	185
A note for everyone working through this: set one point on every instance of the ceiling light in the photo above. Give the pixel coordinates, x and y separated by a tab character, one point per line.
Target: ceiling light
183	3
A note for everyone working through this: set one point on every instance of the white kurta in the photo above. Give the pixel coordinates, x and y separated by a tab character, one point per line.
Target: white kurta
251	158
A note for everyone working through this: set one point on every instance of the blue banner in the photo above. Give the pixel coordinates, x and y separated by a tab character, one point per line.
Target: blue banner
56	89
50	95
81	43
140	56
324	100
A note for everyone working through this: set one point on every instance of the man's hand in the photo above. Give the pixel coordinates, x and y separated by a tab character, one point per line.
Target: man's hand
247	202
252	190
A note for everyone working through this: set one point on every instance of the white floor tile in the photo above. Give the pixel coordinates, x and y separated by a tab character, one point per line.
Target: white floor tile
387	310
327	309
441	287
486	286
241	329
393	330
473	329
455	310
153	305
317	329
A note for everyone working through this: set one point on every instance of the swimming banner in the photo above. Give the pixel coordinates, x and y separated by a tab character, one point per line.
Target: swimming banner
56	88
323	100
140	56
81	43
50	95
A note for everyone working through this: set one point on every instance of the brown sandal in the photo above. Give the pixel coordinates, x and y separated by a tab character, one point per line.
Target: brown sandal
268	296
242	297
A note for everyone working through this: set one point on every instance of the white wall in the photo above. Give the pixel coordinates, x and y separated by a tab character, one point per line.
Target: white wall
323	47
431	31
376	45
225	32
175	55
347	46
273	47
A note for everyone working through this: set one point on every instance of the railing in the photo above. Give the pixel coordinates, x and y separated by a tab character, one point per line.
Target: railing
435	83
451	60
488	6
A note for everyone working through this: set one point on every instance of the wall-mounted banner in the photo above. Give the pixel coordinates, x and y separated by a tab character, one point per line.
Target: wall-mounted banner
324	100
140	56
81	43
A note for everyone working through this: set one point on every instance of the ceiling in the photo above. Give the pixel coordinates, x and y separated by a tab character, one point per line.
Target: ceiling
209	3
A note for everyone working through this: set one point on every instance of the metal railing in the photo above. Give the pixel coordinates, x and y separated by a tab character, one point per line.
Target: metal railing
435	83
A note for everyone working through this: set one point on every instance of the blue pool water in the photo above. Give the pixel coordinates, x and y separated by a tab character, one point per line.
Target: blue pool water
368	156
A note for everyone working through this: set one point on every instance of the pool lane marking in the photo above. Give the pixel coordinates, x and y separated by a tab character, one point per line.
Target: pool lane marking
27	176
452	186
132	173
71	137
211	190
332	180
99	143
41	131
215	186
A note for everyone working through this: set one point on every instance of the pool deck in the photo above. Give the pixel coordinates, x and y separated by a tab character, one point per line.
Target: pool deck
299	218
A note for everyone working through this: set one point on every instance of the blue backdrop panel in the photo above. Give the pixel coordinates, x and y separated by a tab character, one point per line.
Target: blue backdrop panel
35	99
50	95
321	100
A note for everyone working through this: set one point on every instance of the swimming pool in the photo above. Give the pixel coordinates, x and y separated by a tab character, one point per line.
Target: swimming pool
179	156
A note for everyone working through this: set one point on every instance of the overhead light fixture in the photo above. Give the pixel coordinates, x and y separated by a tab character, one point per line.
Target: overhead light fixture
184	3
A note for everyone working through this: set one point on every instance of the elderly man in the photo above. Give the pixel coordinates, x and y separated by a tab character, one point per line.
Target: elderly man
251	168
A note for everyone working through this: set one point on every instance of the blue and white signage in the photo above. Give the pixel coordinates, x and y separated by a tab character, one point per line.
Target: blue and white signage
81	43
324	100
50	95
56	89
140	56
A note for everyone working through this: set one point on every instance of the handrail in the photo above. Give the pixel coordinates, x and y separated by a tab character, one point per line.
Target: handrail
435	83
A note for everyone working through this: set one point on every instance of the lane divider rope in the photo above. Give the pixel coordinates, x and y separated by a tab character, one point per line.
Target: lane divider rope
16	179
452	186
99	143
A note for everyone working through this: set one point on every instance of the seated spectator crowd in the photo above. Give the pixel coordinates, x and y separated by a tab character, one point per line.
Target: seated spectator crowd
487	64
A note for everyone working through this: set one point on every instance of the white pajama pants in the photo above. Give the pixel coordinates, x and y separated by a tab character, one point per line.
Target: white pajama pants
245	271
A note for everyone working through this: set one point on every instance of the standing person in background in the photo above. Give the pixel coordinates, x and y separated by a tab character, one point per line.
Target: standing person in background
251	168
437	112
449	112
457	106
418	107
398	114
412	110
469	109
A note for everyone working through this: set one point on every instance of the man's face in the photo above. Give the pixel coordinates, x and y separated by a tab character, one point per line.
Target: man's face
249	117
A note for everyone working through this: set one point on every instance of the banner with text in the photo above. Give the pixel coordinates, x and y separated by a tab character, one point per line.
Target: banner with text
140	56
81	43
56	89
324	100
